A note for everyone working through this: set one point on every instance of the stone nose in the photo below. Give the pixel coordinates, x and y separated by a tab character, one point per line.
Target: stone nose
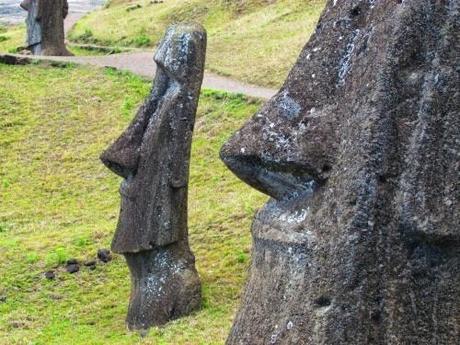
278	180
122	162
122	157
271	173
284	149
282	156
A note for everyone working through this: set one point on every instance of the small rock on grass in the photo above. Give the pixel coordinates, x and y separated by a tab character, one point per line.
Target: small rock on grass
72	268
2	298
90	263
72	262
50	275
104	255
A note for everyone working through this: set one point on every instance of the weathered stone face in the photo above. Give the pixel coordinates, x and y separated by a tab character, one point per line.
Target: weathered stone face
360	153
153	156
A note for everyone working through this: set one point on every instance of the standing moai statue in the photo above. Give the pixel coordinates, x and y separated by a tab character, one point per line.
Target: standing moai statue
153	157
45	26
360	153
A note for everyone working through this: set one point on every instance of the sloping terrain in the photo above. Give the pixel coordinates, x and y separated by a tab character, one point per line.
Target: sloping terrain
256	41
57	202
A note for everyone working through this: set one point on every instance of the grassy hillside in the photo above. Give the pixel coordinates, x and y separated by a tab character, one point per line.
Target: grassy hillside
59	202
251	40
11	38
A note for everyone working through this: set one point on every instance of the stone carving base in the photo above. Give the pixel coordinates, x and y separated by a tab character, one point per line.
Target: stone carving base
165	286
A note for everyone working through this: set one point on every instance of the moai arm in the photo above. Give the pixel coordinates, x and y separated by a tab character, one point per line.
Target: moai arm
182	128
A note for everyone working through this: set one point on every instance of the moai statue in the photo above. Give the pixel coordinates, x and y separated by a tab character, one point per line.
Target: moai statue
360	153
45	26
153	157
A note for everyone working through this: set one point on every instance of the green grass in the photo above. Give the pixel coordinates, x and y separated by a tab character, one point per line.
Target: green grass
11	38
59	202
256	41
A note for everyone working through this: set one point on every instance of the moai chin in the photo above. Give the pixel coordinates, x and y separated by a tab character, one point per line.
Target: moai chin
153	157
360	153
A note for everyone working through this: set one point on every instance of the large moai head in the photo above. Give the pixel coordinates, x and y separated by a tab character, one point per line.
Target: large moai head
360	154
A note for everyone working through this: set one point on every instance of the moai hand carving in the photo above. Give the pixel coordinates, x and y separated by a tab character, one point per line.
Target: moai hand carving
153	156
359	151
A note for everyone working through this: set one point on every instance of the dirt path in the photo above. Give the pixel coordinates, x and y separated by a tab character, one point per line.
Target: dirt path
141	63
71	19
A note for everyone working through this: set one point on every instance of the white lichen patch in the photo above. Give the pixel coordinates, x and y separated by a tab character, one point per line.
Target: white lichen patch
288	107
345	62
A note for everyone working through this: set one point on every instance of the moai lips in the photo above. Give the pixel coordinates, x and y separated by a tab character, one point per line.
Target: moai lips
153	156
359	151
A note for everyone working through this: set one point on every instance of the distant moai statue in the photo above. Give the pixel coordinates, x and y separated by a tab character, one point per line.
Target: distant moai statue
153	157
45	26
360	154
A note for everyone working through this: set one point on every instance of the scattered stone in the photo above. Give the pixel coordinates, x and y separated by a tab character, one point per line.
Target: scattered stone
2	299
104	255
133	7
143	333
73	268
90	263
18	324
72	262
55	297
9	59
50	275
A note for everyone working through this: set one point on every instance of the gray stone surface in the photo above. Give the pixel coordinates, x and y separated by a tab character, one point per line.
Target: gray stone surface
34	30
359	151
45	26
153	156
